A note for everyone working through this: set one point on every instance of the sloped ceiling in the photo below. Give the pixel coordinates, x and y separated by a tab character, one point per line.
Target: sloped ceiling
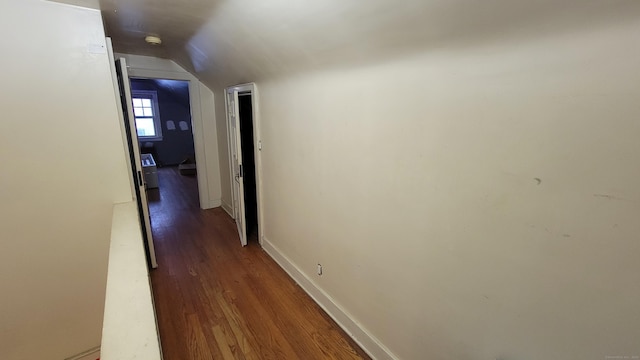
225	42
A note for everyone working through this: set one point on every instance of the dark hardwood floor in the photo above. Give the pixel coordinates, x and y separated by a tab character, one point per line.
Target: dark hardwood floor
217	300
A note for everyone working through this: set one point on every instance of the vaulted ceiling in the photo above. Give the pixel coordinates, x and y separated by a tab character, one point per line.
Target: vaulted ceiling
225	41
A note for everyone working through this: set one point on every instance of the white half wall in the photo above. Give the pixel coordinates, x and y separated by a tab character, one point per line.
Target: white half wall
129	330
468	203
63	168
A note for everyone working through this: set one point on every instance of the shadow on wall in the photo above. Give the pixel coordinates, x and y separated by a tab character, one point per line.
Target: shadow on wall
175	118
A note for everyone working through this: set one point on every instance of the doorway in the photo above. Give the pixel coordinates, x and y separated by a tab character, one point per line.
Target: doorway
122	73
166	141
243	131
201	104
249	165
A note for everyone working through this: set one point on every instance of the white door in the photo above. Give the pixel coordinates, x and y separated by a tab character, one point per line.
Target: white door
136	163
236	154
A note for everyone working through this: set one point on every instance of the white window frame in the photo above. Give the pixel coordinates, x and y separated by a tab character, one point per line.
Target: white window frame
153	95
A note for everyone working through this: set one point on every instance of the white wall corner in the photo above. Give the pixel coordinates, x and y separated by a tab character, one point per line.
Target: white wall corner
91	354
372	346
150	63
214	203
226	207
207	106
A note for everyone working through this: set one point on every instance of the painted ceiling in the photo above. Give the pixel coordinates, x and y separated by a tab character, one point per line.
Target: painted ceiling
225	41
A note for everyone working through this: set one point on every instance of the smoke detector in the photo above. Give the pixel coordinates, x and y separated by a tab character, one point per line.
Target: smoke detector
153	40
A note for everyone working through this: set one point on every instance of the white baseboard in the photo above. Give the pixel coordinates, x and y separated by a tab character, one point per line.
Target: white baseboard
215	203
226	207
91	354
359	334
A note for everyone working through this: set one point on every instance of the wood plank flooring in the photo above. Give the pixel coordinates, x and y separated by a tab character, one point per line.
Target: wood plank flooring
217	300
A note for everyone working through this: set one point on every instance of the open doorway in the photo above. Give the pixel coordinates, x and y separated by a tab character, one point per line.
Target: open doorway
249	165
162	113
243	131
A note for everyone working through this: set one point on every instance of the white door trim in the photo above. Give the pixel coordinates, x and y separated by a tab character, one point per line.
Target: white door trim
134	153
230	142
116	90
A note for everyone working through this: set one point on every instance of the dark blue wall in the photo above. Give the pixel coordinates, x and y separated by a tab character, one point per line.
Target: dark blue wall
173	101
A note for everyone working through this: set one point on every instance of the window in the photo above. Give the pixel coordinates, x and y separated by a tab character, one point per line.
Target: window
147	115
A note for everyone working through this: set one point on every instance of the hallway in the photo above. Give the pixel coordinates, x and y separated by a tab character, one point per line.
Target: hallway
217	300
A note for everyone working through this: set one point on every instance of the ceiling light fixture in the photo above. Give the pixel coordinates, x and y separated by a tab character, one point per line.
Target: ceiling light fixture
153	40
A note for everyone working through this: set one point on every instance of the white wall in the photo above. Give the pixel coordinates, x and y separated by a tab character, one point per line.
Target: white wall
63	168
468	203
207	142
210	134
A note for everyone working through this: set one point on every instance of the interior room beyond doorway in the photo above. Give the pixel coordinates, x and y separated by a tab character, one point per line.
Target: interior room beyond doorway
249	165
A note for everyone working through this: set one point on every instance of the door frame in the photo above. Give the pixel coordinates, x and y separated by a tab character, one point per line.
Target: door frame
121	79
197	123
251	88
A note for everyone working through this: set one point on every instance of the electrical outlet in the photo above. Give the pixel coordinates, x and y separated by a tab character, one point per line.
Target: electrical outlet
319	269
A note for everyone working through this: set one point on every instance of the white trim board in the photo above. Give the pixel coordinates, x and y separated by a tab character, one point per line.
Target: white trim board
372	346
91	354
227	208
